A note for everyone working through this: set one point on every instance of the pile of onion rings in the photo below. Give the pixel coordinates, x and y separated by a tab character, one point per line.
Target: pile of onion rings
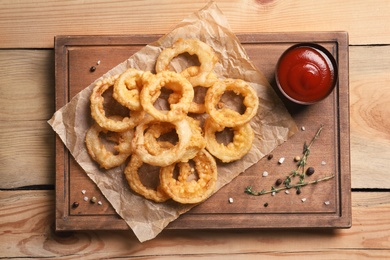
177	134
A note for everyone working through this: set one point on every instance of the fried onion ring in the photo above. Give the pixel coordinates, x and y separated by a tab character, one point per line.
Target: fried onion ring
171	80
99	115
155	146
100	154
197	142
226	116
205	53
167	156
193	191
127	88
235	150
191	72
134	181
196	108
155	131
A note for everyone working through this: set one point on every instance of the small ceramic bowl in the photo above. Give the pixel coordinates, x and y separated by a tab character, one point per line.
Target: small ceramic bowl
306	73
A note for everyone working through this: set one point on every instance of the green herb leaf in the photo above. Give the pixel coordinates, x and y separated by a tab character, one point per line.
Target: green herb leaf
300	168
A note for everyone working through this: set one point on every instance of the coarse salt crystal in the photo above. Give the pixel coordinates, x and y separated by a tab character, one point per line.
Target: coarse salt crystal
85	198
323	163
327	202
281	160
100	203
230	200
265	174
303	128
98	62
303	199
83	191
286	191
273	193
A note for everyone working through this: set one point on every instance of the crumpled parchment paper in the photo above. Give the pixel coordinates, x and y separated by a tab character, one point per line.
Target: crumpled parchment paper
272	125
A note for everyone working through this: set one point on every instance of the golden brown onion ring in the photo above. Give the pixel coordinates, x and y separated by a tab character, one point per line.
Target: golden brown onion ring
225	116
134	181
191	72
99	115
171	80
240	146
196	108
155	131
127	88
197	142
205	53
167	156
193	191
155	146
100	154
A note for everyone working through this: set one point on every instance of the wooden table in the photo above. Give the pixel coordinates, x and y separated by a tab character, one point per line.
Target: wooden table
27	163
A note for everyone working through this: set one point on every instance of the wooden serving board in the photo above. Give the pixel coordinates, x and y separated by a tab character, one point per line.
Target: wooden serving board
330	154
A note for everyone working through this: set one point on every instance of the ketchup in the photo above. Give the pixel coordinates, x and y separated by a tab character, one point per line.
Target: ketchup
306	73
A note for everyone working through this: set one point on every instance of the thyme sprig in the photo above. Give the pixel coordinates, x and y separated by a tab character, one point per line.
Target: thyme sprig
249	190
299	171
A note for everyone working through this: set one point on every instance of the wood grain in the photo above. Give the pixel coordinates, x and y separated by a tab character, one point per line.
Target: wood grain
27	220
26	154
369	121
26	144
370	124
26	102
27	84
33	24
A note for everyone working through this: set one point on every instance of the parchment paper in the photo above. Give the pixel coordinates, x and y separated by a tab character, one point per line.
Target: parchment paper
272	125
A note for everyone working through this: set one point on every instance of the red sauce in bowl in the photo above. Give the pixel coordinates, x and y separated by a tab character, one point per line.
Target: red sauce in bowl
306	73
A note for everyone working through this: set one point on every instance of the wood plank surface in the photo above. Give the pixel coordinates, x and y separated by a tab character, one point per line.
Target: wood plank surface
369	124
369	106
27	30
27	84
26	154
27	230
33	24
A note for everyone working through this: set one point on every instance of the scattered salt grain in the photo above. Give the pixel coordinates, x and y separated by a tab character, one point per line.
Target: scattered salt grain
323	163
265	174
100	203
230	200
273	193
303	128
83	191
98	62
303	199
281	160
286	191
327	203
85	198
